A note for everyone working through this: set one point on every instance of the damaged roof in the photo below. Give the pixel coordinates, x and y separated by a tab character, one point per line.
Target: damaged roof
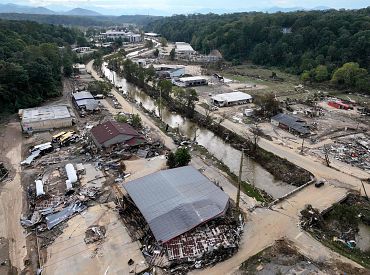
110	129
177	200
292	122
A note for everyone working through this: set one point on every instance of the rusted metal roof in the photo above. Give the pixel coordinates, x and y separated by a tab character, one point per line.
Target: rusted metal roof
110	129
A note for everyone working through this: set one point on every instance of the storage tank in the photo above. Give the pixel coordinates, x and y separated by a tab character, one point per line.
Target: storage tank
68	185
39	188
71	173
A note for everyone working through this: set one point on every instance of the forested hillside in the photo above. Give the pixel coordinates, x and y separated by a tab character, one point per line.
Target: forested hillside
31	60
313	43
82	21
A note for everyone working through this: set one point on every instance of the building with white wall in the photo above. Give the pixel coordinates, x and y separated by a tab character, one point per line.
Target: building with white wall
45	118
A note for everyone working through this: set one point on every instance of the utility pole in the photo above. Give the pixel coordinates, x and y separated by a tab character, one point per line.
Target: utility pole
160	104
363	186
239	181
302	145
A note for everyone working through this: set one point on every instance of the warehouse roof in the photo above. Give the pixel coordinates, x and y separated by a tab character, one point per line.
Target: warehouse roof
82	95
45	113
184	47
232	97
86	100
177	200
292	122
110	129
192	78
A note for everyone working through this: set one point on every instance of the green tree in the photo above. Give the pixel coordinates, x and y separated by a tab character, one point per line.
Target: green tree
165	86
269	106
321	73
164	42
121	118
149	44
347	75
156	53
136	121
171	160
182	157
306	76
99	87
173	54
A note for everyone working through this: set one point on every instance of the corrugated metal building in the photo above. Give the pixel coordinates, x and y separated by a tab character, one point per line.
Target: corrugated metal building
177	200
233	98
290	123
45	118
85	101
111	132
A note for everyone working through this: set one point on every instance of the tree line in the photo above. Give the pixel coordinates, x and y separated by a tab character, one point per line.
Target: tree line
314	44
33	58
175	98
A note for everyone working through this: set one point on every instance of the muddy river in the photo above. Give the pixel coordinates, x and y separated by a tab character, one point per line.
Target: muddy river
252	171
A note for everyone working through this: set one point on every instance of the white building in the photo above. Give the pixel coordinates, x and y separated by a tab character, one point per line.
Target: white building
79	68
183	48
45	118
128	36
191	81
233	98
152	34
81	49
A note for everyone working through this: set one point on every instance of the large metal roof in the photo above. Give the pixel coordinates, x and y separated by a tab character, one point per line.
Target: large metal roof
176	200
45	113
232	97
295	123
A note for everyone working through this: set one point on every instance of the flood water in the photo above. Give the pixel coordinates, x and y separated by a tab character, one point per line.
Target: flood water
252	171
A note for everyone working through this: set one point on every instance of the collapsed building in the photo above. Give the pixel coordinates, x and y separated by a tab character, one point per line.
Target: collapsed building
291	124
169	71
85	101
45	118
181	207
111	132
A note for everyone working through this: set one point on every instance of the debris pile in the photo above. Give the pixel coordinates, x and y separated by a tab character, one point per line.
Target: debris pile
94	233
354	151
311	218
3	172
203	246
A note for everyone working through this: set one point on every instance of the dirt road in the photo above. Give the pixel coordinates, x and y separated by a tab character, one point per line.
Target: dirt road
350	176
265	226
11	196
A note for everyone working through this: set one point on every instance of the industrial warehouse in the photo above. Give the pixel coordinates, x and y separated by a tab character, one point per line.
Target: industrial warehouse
85	102
45	118
228	99
188	215
191	81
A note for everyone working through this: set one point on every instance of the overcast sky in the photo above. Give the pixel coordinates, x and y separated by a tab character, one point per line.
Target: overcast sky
188	6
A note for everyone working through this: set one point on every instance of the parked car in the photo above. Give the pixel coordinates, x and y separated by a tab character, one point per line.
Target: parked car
319	183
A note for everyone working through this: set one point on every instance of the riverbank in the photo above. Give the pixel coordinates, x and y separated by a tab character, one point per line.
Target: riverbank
280	168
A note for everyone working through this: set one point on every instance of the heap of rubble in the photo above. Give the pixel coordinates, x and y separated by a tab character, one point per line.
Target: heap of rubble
3	172
354	151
